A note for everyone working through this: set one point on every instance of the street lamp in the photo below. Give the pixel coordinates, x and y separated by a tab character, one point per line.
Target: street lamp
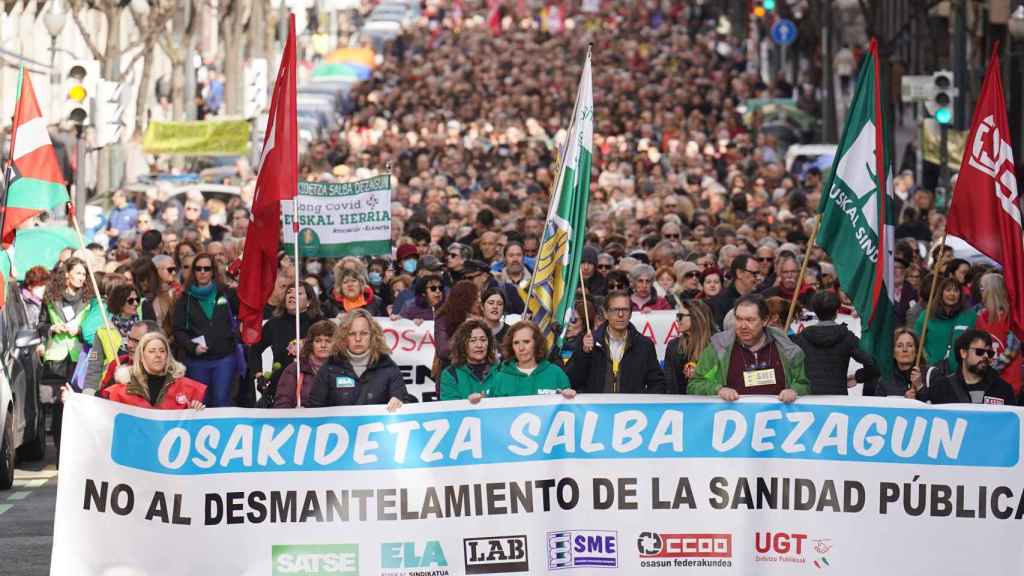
54	20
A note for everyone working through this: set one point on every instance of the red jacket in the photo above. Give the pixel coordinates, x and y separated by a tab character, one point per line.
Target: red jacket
175	396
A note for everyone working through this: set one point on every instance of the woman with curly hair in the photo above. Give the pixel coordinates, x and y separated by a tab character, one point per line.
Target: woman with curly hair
359	371
527	373
66	306
473	357
463	301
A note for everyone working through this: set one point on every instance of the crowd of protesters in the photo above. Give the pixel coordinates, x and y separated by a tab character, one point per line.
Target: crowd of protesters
691	210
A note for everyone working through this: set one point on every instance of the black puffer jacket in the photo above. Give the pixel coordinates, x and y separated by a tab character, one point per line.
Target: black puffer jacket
337	384
828	348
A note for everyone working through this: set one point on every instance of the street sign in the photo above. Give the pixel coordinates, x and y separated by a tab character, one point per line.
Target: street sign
916	88
783	32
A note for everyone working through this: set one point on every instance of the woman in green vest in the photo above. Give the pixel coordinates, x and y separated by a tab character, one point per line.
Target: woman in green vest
951	317
65	306
472	370
527	373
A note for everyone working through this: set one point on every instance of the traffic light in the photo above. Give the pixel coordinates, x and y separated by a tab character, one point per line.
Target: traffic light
759	9
80	77
110	111
769	5
943	92
255	78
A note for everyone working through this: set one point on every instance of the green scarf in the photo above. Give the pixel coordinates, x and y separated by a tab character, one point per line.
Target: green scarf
206	295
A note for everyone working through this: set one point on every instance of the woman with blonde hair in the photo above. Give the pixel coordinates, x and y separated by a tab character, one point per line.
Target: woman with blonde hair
155	379
695	324
359	371
994	318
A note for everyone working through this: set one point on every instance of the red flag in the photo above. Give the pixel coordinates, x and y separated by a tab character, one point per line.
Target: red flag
278	179
985	211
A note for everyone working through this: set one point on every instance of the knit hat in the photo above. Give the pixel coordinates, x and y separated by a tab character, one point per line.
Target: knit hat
406	251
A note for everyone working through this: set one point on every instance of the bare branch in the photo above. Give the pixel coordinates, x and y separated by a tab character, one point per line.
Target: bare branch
77	6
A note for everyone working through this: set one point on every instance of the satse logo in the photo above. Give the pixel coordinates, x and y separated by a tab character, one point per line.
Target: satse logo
398	557
660	545
496	555
582	548
316	560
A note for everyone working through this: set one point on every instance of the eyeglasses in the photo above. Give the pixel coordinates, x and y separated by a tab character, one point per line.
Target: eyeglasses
203	268
984	352
763	259
754	272
619	311
434	288
604	266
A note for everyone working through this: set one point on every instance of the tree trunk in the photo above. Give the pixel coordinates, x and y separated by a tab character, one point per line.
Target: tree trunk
142	99
232	36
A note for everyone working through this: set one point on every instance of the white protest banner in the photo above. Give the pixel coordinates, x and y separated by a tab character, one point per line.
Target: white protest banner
341	219
602	484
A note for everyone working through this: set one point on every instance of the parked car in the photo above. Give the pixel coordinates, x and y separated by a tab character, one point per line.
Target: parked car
23	402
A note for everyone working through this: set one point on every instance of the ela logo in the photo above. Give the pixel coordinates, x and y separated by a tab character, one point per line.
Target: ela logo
316	560
583	549
403	555
496	555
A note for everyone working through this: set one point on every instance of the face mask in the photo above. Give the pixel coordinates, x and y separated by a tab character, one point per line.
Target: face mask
374	278
314	267
39	291
409	265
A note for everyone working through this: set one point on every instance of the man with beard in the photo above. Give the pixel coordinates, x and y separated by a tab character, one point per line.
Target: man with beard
514	279
974	383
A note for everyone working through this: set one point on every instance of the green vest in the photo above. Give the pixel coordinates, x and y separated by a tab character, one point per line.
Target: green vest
63	345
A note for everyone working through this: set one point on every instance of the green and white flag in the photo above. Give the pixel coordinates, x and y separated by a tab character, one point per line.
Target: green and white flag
556	273
857	214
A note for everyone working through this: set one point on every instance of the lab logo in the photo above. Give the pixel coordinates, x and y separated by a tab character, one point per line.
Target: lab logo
583	549
496	555
406	558
316	560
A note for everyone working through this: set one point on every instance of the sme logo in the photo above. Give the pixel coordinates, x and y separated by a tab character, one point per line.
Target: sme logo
496	555
316	560
583	549
664	545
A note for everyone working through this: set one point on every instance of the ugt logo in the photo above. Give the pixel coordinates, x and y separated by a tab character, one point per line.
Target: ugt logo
403	555
996	161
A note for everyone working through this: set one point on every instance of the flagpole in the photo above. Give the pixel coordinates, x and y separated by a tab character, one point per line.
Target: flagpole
803	271
554	189
583	288
72	215
298	328
931	299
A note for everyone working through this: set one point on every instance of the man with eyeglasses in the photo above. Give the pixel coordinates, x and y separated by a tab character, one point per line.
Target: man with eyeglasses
751	358
975	382
615	358
746	274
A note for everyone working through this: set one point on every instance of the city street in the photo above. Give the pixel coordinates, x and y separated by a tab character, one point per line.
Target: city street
26	518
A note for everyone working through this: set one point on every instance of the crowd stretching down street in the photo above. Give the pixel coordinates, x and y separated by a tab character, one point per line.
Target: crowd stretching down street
692	210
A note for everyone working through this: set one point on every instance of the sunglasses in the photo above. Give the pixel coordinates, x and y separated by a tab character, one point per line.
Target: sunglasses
984	352
604	266
765	258
615	286
434	288
691	275
203	268
672	236
133	300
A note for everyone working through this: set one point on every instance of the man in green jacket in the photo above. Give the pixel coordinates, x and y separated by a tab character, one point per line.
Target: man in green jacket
752	359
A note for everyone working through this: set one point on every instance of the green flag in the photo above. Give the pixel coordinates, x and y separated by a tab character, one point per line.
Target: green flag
556	273
857	214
